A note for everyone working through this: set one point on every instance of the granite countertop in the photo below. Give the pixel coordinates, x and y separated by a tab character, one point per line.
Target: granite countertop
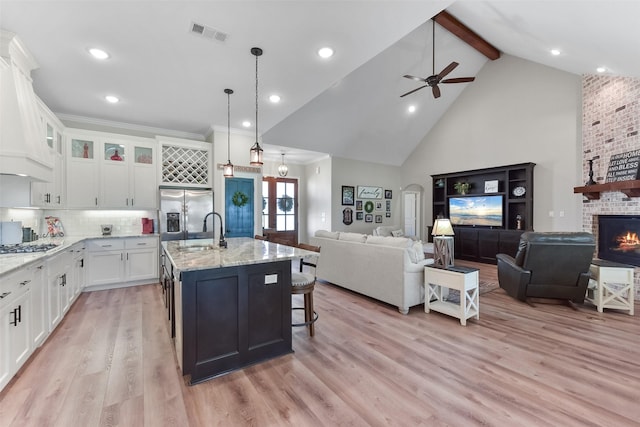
202	254
12	262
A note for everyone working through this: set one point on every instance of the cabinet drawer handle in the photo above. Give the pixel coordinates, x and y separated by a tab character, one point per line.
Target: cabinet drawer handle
26	282
142	244
5	294
15	318
106	246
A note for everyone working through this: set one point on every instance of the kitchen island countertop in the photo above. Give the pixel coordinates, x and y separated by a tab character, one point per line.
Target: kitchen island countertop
202	254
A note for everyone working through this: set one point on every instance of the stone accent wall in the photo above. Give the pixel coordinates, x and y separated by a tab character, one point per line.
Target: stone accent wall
610	125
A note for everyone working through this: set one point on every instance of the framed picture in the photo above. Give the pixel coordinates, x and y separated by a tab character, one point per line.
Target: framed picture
387	194
388	215
347	195
378	206
388	205
359	216
358	205
368	218
368	206
367	192
491	186
379	219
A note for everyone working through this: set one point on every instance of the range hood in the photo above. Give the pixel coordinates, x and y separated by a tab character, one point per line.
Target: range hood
23	148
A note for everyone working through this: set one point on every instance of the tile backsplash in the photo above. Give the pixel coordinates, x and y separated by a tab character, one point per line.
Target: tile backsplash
81	222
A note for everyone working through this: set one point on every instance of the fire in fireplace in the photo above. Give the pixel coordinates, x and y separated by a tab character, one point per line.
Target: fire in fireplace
618	239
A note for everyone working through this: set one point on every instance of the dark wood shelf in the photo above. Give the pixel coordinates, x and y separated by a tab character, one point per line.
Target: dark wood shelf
479	243
630	188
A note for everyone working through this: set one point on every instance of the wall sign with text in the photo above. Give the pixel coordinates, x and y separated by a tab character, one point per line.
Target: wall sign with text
367	192
623	166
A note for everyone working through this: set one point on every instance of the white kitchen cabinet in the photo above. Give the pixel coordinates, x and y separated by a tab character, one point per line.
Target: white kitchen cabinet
58	267
142	259
15	333
50	194
129	174
111	171
121	262
77	270
82	172
39	304
105	259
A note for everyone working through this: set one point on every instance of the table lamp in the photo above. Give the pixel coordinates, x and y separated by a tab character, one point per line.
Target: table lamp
442	242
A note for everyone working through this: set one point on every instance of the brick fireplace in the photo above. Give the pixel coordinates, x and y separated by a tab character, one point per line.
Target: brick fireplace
610	125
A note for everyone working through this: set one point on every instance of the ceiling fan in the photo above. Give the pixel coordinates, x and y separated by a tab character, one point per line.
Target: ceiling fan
434	79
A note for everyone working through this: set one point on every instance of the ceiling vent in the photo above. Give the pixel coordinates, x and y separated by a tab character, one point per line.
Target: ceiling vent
207	32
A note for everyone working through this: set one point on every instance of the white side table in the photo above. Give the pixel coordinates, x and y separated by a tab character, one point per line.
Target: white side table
463	279
614	286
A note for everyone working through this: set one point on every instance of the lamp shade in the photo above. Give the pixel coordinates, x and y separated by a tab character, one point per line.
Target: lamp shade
442	227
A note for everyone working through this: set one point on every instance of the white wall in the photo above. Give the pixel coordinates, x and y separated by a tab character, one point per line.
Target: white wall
516	111
318	190
355	173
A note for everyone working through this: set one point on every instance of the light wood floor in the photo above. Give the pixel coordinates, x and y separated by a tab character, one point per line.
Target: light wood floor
111	363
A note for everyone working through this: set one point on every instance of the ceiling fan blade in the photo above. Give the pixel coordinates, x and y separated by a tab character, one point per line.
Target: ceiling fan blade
419	79
459	80
447	70
436	91
415	90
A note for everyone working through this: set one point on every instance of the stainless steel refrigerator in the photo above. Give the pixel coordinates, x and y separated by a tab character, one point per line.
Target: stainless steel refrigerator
182	213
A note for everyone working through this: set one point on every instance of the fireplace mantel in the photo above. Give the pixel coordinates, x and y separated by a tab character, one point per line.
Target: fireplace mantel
592	192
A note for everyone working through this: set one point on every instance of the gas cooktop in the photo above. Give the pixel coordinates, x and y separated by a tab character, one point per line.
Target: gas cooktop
25	249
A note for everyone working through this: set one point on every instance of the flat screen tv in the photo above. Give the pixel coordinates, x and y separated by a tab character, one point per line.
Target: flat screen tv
485	211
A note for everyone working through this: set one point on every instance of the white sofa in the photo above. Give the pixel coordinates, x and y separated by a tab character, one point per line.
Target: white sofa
396	231
389	269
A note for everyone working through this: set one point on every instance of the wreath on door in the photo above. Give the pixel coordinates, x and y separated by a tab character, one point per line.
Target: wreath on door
285	203
239	199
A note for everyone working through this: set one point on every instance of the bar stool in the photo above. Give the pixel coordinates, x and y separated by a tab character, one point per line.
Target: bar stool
303	283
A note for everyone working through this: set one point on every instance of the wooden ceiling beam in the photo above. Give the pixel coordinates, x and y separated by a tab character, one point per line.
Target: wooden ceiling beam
457	28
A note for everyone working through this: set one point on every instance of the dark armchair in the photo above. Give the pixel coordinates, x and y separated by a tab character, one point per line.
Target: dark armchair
548	265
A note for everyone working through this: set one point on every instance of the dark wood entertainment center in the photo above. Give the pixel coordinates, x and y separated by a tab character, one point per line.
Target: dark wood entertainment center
482	243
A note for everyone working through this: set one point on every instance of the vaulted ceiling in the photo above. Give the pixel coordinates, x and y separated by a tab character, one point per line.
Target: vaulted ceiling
347	106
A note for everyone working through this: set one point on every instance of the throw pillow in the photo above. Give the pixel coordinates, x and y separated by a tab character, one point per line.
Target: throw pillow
397	233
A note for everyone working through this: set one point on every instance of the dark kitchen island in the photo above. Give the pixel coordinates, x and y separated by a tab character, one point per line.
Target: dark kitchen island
232	306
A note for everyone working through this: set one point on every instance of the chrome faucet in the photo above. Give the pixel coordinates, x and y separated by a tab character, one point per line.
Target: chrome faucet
222	243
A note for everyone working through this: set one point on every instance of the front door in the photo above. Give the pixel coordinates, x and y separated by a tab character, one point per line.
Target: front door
238	209
280	209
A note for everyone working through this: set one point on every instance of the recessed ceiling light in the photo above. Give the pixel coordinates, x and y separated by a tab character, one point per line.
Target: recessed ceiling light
246	124
98	53
555	52
601	69
325	52
274	98
112	99
411	109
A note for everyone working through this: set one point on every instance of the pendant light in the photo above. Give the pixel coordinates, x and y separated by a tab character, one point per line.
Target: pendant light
256	150
283	170
227	170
